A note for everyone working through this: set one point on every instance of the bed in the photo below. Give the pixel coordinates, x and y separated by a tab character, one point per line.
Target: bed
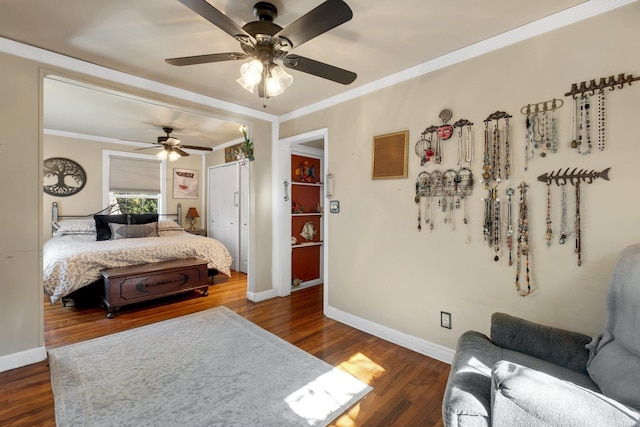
74	257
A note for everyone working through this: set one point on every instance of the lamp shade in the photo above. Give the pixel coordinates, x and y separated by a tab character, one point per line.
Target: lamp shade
193	213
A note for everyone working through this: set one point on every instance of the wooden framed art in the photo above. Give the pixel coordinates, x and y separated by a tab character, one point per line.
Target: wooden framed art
390	155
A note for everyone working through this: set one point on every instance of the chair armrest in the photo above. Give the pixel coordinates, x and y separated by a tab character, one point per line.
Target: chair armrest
558	346
521	396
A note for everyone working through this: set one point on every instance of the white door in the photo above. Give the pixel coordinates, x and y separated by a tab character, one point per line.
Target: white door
224	208
244	217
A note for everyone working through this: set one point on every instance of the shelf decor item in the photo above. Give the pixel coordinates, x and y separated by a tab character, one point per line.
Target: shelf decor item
390	155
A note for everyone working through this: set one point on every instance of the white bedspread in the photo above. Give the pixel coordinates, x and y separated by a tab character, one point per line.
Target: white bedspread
71	262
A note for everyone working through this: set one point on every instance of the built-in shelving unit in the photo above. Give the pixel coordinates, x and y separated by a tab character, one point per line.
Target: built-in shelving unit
306	214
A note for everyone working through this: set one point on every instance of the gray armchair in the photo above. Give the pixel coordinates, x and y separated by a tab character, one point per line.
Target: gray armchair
528	374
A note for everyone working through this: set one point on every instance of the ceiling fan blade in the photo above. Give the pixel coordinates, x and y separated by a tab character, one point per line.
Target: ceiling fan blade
217	18
196	147
205	59
326	16
319	69
179	151
146	148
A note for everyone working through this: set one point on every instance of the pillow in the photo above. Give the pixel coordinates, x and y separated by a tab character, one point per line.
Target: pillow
75	227
133	231
102	224
168	225
103	221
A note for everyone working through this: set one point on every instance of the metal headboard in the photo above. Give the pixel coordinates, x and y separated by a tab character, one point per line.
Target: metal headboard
55	216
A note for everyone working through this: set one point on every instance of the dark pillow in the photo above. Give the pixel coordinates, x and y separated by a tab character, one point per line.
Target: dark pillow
103	232
143	218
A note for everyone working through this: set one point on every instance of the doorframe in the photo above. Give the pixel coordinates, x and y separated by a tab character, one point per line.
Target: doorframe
282	211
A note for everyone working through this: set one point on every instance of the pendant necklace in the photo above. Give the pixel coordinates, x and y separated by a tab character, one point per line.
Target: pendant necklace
549	233
486	160
523	242
497	173
575	129
496	229
564	233
509	238
529	150
584	140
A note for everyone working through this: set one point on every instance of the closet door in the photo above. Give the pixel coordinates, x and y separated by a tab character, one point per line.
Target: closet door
224	208
244	218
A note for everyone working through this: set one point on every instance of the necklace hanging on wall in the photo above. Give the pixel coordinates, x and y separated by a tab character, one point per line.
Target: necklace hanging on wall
496	160
575	177
582	120
424	147
465	142
549	231
582	90
509	238
523	242
564	232
541	133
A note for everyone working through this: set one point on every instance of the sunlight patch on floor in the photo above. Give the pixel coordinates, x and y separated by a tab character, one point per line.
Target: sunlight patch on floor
317	400
361	367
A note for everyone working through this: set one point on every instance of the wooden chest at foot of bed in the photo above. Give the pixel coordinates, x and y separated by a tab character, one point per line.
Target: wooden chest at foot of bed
128	285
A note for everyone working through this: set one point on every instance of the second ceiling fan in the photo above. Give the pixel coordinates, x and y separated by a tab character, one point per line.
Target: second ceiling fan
172	147
266	42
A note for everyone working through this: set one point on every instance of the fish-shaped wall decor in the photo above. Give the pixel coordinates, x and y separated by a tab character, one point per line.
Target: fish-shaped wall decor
582	175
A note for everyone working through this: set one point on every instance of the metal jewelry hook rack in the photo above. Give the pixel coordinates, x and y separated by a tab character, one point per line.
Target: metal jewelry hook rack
541	107
575	176
611	82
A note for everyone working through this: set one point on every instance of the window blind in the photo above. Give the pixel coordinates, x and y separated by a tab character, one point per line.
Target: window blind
134	175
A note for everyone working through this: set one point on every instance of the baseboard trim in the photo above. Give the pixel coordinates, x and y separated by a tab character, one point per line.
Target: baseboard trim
262	296
410	342
22	358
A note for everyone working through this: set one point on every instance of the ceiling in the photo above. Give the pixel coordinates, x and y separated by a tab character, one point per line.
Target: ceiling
382	39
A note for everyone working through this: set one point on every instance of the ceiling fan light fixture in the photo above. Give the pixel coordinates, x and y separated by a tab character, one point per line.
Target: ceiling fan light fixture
173	156
162	154
277	81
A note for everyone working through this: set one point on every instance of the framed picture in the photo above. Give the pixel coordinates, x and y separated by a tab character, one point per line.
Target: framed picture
390	155
185	184
231	153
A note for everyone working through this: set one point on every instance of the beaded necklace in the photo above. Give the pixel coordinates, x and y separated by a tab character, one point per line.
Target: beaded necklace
564	233
549	232
509	238
523	242
601	131
578	231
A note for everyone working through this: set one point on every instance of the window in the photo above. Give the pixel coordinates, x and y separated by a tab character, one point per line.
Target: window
134	182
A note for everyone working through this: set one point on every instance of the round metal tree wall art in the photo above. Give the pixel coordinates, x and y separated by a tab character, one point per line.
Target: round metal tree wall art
63	177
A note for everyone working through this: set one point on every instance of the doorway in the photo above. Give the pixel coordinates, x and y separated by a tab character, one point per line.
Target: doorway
282	274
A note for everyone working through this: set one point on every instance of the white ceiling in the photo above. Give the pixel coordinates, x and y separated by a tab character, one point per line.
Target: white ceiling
383	38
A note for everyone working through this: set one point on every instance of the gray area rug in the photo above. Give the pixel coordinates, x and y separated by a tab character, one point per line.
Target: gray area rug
212	368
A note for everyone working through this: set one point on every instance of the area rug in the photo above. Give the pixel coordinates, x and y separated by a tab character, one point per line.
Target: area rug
212	368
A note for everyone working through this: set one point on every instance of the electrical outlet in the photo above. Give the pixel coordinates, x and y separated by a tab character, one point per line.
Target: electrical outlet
445	319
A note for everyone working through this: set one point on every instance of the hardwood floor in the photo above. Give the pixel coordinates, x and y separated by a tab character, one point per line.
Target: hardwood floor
407	386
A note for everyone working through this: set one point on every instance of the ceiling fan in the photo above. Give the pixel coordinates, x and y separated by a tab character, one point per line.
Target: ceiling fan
266	42
172	147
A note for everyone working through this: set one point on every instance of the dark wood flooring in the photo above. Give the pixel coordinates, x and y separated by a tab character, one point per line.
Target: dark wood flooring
407	386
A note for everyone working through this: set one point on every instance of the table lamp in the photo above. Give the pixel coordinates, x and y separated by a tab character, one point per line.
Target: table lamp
192	213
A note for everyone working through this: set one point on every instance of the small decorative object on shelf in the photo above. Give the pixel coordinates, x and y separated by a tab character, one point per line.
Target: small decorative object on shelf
306	172
296	282
296	207
247	145
308	231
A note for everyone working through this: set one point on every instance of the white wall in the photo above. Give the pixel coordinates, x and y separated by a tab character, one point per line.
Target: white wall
383	271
